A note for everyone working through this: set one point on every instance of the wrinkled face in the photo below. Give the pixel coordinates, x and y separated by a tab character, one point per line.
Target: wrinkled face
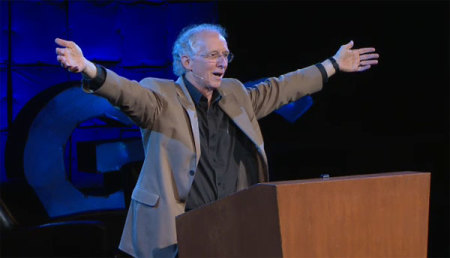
207	66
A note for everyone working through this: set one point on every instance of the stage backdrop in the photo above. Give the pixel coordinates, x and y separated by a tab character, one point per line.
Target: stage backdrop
53	136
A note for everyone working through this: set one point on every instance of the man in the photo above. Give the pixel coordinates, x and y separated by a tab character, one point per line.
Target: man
200	133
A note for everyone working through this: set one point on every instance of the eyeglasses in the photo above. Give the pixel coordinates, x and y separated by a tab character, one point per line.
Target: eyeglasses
215	55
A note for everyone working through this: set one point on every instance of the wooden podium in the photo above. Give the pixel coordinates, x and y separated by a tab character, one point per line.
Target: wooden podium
377	215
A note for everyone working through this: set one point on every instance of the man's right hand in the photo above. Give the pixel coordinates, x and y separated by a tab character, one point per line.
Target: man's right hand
71	58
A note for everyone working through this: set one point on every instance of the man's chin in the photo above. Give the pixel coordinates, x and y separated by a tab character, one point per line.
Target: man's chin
214	85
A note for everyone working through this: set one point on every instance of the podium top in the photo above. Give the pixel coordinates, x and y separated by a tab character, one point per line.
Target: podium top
342	178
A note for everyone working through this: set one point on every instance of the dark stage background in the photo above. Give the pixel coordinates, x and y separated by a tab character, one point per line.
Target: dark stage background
394	117
59	201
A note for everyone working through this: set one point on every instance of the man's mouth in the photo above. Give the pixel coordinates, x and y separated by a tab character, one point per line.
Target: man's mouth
218	74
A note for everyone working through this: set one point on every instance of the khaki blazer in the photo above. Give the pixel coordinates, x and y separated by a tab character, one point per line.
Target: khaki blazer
167	117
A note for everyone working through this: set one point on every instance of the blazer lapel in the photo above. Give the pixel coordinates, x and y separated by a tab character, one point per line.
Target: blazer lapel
186	101
240	117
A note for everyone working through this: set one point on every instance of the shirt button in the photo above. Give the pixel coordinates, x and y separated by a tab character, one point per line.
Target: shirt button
191	172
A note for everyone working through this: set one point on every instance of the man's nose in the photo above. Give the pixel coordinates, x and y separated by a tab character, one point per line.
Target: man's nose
222	61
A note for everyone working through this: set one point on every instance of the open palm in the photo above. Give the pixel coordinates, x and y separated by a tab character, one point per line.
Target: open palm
355	60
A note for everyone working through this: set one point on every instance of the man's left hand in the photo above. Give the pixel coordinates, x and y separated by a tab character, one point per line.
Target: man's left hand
355	60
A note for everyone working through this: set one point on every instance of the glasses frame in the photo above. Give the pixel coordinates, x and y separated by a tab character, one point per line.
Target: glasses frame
214	56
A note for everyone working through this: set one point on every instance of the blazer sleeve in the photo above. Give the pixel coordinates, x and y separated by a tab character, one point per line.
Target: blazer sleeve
141	104
275	92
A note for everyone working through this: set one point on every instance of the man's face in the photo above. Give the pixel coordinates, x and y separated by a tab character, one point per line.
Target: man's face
209	62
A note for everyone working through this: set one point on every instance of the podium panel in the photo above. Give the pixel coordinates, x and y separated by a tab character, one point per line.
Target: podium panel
377	215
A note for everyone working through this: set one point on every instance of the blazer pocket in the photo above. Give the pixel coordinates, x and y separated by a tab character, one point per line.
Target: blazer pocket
145	197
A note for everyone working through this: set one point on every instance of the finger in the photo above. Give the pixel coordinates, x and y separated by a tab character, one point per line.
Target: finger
366	50
65	43
369	62
62	60
363	68
368	56
62	42
60	51
349	45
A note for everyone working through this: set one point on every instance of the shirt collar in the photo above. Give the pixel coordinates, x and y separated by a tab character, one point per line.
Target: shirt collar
196	95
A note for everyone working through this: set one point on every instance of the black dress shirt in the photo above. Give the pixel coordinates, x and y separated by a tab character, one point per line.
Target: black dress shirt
223	148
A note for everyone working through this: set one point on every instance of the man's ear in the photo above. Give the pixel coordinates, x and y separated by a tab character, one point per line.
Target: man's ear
186	62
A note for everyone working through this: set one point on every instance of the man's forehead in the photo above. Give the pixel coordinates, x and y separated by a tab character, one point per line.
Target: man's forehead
210	39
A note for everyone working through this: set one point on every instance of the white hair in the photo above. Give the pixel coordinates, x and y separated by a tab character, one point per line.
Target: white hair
184	44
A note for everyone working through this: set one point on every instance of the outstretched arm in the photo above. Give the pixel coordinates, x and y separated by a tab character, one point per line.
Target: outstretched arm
71	58
275	92
139	103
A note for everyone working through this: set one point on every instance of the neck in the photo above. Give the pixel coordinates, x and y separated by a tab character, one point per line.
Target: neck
204	90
